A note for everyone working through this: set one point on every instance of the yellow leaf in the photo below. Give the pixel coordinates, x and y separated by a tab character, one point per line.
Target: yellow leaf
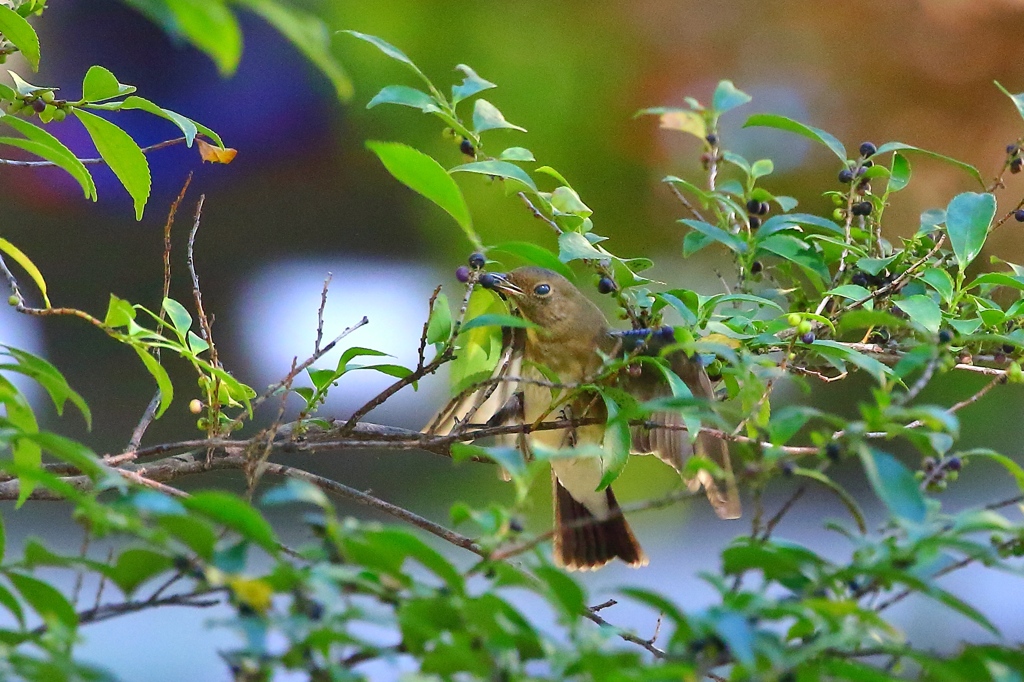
215	154
255	594
25	262
722	339
686	121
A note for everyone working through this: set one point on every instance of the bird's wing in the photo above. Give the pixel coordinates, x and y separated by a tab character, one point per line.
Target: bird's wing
494	403
674	447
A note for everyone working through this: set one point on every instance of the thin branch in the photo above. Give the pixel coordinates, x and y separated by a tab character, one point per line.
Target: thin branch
628	636
320	314
107	611
38	164
537	214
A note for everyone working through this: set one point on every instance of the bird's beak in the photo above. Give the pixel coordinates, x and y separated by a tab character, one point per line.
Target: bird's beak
503	285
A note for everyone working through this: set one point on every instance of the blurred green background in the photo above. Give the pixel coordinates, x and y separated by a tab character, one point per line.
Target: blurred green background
305	197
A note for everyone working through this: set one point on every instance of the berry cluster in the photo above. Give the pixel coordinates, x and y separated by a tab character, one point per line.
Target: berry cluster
42	102
1015	160
756	211
857	171
938	473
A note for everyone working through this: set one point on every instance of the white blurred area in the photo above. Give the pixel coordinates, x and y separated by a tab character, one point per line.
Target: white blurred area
24	333
279	305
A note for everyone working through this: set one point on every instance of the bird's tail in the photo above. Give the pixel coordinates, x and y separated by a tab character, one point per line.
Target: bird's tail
585	543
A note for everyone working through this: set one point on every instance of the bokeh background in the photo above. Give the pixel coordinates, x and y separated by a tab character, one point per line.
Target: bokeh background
304	198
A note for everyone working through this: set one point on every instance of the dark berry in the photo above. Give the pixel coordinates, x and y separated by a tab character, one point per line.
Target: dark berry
488	280
1018	215
861	208
667	333
1012	149
928	463
955	464
477	261
763	208
755	222
1008	348
466	147
314	610
945	336
712	139
833	451
515	525
753	207
846	176
868	164
462	274
861	171
756	267
787	468
1016	164
868	149
606	285
38	105
860	279
807	338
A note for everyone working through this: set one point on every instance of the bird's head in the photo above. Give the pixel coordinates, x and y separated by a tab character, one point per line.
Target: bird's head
552	302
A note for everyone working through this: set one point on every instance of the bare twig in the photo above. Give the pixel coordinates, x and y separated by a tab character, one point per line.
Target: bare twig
38	164
537	214
320	314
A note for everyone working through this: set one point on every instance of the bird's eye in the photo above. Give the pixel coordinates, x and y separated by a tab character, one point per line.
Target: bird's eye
542	289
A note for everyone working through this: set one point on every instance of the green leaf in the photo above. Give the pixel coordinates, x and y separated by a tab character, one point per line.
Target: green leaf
405	96
789	125
516	154
497	320
727	96
842	354
119	313
761	168
310	35
968	218
135	566
565	200
532	253
45	145
236	514
390	50
616	443
939	280
894	484
28	456
210	26
966	167
1018	99
900	173
358	351
923	311
422	174
439	324
100	84
44	599
19	257
123	156
1011	466
11	603
845	497
471	84
486	116
717	234
736	631
72	452
295	490
574	246
192	532
188	127
562	591
20	34
180	318
163	381
501	169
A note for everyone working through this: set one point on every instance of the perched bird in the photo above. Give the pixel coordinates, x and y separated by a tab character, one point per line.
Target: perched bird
569	339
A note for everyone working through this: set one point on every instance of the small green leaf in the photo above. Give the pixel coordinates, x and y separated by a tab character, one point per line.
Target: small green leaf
761	168
44	599
501	169
358	351
100	84
727	96
188	127
966	167
900	173
939	280
516	154
236	514
19	257
717	234
119	313
180	318
563	591
135	566
968	218
20	34
894	484
497	320
295	490
471	85
616	442
390	50
923	311
574	246
845	497
422	174
405	96
789	125
439	325
487	117
122	155
565	200
163	381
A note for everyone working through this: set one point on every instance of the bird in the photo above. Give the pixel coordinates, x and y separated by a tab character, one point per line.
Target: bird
570	337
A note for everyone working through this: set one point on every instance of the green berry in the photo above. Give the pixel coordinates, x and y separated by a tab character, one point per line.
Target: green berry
804	326
13	300
793	319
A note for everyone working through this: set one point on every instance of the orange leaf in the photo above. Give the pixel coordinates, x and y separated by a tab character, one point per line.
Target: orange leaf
215	154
